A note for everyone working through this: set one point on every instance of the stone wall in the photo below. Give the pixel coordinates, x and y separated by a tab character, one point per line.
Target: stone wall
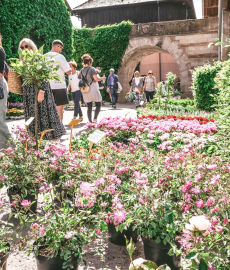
187	41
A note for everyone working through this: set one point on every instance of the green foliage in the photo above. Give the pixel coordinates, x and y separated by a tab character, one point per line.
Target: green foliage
106	44
40	20
35	67
203	86
13	98
222	82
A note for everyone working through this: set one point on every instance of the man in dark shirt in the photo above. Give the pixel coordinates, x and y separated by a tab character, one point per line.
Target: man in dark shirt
112	86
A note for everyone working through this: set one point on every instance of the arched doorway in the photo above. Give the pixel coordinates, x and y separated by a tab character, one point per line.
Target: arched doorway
134	55
160	64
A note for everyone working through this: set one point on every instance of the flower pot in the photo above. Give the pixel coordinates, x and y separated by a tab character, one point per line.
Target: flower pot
13	191
118	238
3	260
158	253
44	263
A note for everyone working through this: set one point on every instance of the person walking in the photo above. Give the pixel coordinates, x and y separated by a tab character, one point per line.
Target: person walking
47	114
91	78
59	88
75	89
137	88
150	86
112	86
4	131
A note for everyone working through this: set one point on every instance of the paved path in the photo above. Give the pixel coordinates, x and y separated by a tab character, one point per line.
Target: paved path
106	111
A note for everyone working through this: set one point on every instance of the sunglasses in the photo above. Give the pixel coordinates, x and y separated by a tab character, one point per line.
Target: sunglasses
26	47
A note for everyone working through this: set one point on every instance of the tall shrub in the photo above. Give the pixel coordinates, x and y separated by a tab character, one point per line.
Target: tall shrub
222	82
203	85
41	20
106	44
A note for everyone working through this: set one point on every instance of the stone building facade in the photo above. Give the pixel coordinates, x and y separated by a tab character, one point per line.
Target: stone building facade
187	41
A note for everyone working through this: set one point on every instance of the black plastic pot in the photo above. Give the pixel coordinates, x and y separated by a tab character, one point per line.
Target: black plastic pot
158	253
44	263
13	191
3	260
118	238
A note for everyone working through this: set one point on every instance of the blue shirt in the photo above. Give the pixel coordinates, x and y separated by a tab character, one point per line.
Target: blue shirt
112	80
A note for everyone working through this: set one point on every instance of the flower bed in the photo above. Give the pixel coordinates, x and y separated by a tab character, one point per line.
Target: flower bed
150	177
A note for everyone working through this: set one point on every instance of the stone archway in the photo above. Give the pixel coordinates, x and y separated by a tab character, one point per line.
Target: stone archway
144	46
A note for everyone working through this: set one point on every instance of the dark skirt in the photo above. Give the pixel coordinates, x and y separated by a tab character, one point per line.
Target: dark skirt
48	117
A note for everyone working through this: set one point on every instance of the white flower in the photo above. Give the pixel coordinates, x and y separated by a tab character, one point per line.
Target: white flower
199	223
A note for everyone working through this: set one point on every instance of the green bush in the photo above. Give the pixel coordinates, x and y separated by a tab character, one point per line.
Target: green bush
203	85
40	20
178	102
106	44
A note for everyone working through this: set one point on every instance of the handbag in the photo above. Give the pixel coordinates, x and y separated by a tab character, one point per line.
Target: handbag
1	88
83	84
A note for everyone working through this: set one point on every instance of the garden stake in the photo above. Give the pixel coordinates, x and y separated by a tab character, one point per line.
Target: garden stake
90	150
73	123
42	134
28	122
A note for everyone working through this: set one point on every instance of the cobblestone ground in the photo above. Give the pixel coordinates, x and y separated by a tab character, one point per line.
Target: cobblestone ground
115	257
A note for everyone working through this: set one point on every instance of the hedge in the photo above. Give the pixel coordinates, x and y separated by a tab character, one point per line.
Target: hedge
203	85
106	44
41	20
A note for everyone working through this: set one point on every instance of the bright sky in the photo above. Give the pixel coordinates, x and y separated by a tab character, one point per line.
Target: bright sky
77	23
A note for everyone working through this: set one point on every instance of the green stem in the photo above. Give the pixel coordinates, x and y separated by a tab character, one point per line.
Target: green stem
35	115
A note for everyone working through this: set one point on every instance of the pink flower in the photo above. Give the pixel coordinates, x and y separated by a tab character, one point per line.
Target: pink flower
42	229
25	203
68	235
13	203
226	221
212	167
1	203
119	216
186	187
137	263
198	177
219	229
98	231
215	179
42	188
9	150
210	201
216	209
34	226
200	204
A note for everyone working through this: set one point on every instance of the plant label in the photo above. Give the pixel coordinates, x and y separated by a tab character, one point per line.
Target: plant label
29	121
96	136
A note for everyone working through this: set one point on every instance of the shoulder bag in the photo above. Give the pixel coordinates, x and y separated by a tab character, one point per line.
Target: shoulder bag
83	83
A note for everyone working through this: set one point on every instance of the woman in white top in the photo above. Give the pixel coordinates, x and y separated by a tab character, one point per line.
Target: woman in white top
137	88
74	86
150	86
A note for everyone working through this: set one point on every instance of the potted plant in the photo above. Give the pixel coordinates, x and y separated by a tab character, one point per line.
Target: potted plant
21	170
35	68
59	236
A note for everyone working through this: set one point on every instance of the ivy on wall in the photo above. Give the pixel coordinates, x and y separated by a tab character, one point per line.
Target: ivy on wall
106	44
40	20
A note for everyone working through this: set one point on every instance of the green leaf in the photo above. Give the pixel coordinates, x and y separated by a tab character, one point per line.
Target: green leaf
203	265
190	255
150	265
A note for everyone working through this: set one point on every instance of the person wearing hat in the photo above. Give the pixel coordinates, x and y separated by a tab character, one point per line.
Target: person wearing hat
150	86
113	86
59	88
